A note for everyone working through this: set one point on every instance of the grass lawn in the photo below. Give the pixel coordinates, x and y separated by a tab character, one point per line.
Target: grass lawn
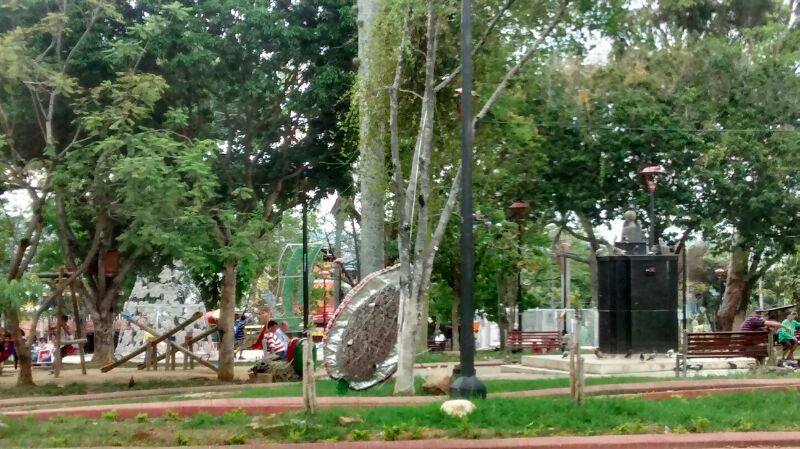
507	417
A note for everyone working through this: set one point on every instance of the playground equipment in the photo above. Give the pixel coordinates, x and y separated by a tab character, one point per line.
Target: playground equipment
360	342
149	348
286	303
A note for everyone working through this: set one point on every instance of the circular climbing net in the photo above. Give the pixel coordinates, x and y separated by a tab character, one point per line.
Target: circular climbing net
370	335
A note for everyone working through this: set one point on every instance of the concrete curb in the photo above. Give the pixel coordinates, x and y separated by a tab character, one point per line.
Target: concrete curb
652	441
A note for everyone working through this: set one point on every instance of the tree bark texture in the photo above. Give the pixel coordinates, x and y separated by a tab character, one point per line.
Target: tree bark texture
737	288
372	157
227	310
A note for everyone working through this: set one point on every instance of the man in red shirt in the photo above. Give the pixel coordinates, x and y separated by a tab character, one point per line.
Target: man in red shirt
272	343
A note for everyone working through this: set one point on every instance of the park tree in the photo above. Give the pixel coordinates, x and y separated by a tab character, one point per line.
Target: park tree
372	138
41	43
432	26
269	83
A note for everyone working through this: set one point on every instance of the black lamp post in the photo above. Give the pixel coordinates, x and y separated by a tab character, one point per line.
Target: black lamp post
519	211
467	385
651	179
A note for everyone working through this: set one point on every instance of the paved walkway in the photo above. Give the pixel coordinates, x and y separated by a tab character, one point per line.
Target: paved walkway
648	390
669	441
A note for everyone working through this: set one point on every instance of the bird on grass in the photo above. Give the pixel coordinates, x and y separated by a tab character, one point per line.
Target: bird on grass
652	356
732	365
641	357
629	354
599	354
131	383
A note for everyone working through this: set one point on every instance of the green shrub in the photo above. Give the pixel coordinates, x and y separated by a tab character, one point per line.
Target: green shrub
359	435
699	424
238	438
743	425
391	433
629	428
296	436
182	440
56	442
171	415
110	415
142	418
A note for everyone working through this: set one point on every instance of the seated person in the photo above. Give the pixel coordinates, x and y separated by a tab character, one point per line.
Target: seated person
7	349
44	353
786	335
755	322
273	344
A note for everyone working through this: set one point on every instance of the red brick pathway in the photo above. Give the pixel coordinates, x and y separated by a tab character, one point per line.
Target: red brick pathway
648	390
670	441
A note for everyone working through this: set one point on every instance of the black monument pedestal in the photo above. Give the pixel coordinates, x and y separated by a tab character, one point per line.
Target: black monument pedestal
638	303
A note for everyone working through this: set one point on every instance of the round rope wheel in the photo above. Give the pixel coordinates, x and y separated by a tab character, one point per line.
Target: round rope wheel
361	338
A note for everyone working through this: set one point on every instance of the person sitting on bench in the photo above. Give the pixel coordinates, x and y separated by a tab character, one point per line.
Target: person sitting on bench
755	322
7	349
786	335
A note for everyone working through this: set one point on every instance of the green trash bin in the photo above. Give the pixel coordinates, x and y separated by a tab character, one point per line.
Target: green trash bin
297	361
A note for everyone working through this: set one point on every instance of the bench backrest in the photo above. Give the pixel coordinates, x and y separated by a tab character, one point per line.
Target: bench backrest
547	339
727	344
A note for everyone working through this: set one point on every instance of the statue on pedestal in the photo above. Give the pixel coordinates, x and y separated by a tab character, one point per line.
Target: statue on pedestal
632	229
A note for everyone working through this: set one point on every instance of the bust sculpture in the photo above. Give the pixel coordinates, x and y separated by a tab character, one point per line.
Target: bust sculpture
632	229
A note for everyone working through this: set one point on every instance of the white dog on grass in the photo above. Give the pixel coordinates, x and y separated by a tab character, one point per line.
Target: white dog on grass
458	408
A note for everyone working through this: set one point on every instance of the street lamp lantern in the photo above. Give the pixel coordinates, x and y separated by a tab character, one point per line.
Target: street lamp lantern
519	210
651	175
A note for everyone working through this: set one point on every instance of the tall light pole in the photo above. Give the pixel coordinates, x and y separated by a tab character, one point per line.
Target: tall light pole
519	210
467	385
651	175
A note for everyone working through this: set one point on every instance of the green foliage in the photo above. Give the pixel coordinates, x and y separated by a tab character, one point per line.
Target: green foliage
142	417
238	438
182	440
17	292
359	435
391	433
110	416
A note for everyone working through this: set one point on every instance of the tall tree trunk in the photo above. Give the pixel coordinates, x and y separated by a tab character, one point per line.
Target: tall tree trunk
103	336
25	375
737	289
339	215
594	279
227	308
422	330
373	159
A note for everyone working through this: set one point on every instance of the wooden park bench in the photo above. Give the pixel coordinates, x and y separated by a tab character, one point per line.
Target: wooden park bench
437	346
724	345
537	341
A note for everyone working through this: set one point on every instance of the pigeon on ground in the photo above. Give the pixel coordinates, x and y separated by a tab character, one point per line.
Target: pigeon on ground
651	356
629	354
670	353
732	365
641	357
564	354
697	367
599	354
131	383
